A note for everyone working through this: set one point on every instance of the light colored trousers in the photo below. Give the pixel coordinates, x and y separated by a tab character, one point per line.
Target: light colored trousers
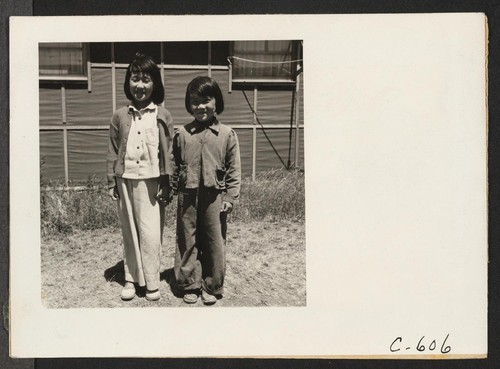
141	220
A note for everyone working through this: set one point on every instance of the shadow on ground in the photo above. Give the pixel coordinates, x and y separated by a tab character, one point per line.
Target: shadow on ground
115	274
168	276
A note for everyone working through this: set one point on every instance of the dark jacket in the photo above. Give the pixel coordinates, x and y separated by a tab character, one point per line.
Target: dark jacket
213	149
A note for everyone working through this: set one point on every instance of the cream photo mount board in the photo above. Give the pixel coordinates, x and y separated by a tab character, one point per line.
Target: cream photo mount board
395	116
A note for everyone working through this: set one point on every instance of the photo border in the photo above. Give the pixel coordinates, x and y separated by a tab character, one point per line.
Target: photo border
352	7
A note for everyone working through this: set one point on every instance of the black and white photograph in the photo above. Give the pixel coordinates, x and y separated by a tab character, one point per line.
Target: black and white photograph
282	186
221	223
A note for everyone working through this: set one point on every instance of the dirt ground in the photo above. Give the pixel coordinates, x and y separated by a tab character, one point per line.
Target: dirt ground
265	267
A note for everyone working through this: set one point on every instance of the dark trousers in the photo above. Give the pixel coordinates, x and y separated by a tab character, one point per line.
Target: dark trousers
200	259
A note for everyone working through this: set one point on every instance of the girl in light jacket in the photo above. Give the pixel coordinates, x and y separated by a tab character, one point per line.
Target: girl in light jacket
139	164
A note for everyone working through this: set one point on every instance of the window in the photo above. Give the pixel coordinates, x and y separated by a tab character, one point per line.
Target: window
268	62
63	61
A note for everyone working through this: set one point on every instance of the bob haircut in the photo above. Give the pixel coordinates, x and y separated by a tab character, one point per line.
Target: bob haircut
204	87
145	64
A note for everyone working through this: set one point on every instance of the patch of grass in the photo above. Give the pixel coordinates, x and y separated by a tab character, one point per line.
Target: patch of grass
64	210
274	195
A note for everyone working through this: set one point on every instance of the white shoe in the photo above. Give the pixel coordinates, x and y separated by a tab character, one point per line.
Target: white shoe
207	298
152	295
128	291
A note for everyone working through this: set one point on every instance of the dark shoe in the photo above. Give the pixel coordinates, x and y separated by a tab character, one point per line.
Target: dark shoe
152	295
207	298
190	297
128	291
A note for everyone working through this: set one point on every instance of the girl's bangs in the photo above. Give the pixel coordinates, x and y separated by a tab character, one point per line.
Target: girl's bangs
136	68
205	90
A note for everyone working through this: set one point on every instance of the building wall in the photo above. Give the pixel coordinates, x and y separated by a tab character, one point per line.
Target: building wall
87	147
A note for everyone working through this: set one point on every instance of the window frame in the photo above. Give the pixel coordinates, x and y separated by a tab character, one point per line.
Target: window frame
84	77
247	81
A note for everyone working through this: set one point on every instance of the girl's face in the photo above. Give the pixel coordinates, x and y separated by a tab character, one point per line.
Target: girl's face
203	107
141	87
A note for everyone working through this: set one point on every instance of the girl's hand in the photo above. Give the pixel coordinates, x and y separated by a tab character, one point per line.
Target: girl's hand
164	195
113	193
227	207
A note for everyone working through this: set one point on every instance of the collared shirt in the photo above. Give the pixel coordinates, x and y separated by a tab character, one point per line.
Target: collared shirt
141	156
208	155
119	129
